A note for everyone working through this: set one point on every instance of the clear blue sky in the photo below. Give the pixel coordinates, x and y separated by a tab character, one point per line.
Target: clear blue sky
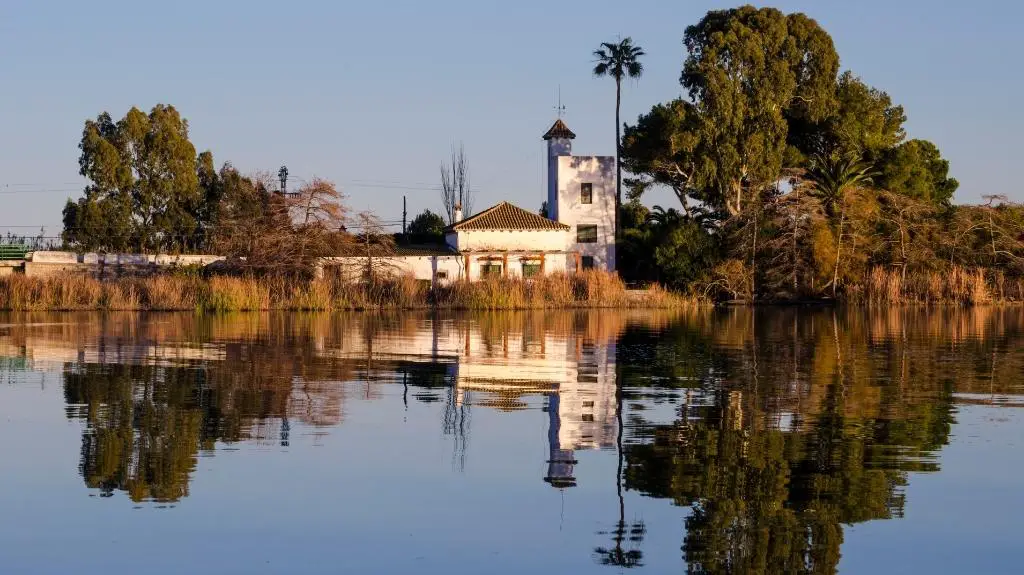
372	94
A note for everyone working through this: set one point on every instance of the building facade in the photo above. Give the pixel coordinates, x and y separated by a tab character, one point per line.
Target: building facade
508	241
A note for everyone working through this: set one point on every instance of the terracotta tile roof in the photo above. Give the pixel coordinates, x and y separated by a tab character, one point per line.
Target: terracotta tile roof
559	130
505	216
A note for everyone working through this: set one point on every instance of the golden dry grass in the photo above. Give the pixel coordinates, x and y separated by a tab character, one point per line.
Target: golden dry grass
217	294
957	285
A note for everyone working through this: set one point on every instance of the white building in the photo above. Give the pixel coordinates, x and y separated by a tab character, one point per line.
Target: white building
508	241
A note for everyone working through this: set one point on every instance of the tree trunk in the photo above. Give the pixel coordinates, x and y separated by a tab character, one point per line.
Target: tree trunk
903	253
796	259
681	194
839	249
753	261
734	209
618	165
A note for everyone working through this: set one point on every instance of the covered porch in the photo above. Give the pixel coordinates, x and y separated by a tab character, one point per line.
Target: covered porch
517	263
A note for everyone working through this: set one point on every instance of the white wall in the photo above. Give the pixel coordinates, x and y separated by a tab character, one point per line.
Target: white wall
557	148
419	267
48	263
571	172
536	240
48	257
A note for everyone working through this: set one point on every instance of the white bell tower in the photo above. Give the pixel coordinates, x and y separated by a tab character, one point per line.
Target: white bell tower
559	139
581	194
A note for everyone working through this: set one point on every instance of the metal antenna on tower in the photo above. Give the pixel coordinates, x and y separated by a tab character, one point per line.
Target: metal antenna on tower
560	109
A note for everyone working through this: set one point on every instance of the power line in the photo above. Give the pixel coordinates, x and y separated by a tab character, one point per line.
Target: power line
389	185
43	184
43	191
354	226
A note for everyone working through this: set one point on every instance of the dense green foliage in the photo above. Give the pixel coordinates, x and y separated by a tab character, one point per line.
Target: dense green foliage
664	246
748	70
796	181
427	227
144	192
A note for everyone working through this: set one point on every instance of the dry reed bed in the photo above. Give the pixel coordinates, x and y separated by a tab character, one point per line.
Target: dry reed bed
957	285
175	293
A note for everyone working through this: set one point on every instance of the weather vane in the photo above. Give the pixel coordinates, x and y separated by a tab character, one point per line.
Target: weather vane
560	109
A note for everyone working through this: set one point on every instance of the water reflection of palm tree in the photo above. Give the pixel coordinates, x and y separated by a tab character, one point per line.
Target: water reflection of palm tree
456	424
616	555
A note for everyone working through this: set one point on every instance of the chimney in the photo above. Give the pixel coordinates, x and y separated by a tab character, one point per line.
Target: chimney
458	213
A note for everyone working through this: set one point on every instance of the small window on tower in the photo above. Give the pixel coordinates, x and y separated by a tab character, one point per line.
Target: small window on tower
587	262
586	234
587	193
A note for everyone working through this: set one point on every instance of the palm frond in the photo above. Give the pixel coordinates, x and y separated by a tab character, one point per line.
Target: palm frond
618	59
830	176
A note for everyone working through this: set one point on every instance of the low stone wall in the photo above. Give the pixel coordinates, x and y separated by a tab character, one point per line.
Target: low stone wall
47	263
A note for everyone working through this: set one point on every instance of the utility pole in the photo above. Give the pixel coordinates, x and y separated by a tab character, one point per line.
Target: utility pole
403	217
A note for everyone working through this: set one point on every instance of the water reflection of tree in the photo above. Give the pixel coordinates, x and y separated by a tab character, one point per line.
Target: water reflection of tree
145	428
434	382
805	422
147	424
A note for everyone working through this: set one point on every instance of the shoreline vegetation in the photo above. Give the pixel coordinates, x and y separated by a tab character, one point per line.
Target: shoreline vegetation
958	286
181	292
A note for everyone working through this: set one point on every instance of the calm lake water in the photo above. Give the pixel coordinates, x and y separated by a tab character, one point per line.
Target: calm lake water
728	441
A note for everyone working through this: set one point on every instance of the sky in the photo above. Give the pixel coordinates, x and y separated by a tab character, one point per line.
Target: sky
373	94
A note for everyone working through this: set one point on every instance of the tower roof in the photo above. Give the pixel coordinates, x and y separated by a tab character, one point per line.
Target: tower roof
559	130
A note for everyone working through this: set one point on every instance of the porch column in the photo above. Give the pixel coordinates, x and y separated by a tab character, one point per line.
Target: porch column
542	271
504	264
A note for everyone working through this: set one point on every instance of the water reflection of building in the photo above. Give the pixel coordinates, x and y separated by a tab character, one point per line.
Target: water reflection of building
560	461
505	367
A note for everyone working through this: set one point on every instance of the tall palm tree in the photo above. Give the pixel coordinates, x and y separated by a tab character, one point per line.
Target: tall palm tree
831	177
618	60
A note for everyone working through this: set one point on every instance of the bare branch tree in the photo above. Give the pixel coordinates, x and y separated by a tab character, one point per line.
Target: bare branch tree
318	218
905	218
791	268
455	190
253	228
263	231
370	253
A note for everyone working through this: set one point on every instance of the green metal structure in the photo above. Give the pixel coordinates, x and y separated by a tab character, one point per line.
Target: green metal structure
13	252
